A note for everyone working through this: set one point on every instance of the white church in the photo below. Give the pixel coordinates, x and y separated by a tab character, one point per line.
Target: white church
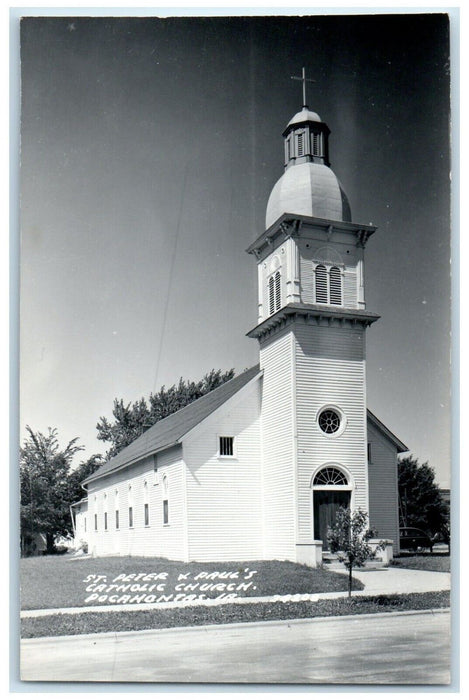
257	468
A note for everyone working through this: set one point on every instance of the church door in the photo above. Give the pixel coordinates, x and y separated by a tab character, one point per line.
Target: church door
326	504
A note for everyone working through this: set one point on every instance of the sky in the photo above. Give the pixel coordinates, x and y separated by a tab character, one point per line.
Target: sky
149	148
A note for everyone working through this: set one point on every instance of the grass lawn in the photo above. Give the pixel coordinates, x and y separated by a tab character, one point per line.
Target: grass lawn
61	581
88	623
427	561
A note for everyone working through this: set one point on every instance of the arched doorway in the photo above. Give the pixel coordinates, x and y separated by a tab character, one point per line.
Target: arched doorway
331	490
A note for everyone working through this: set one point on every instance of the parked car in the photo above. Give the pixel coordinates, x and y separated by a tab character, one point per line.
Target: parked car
412	538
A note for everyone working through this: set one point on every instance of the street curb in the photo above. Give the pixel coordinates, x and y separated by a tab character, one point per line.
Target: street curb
235	625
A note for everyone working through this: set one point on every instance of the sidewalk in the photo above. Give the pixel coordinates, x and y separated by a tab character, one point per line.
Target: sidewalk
382	582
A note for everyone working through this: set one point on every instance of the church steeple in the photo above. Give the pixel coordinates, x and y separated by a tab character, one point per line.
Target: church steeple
306	139
311	253
306	136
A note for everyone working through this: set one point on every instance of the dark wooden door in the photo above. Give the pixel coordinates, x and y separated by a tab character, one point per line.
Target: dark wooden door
326	504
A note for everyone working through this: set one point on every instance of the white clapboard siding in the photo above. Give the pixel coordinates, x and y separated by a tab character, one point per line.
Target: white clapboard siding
278	447
350	288
382	477
307	287
223	494
156	539
330	370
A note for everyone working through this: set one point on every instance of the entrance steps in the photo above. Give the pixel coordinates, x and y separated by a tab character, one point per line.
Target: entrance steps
331	562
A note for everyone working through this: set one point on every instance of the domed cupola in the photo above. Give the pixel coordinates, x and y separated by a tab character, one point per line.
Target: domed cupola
308	185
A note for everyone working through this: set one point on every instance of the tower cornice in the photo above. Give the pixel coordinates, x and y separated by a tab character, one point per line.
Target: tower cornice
292	225
312	313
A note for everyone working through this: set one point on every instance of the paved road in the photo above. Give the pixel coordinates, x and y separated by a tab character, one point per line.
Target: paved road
363	649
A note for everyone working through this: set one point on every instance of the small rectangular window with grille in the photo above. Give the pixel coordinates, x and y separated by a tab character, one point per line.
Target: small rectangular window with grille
226	447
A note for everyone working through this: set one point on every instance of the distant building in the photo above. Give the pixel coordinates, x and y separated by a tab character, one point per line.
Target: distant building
257	468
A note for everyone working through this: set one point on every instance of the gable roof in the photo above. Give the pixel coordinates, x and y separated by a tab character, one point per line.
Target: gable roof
386	432
169	431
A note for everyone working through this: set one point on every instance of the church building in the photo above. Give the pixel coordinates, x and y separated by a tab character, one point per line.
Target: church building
257	468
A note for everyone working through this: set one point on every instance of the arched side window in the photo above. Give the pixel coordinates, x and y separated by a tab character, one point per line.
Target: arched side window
131	507
165	493
146	510
335	286
116	507
321	284
105	511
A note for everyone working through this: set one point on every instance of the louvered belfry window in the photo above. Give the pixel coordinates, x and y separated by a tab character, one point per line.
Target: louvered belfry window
335	286
275	293
278	300
321	284
301	148
271	296
315	144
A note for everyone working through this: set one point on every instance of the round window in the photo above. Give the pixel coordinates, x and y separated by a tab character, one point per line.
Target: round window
329	421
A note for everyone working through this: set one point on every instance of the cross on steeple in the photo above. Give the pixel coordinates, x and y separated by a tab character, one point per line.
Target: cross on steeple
304	80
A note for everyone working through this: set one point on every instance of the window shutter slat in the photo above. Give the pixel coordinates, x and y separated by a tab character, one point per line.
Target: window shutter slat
335	286
321	284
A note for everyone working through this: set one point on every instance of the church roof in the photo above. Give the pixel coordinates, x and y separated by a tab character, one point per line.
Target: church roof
382	428
309	189
169	431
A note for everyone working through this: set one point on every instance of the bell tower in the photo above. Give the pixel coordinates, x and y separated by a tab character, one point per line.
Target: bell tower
312	321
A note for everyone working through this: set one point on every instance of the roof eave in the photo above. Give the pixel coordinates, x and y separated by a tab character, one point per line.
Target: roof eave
132	461
295	220
380	426
316	310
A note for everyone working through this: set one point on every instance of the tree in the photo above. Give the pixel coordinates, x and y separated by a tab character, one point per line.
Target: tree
78	475
44	486
349	538
420	502
133	419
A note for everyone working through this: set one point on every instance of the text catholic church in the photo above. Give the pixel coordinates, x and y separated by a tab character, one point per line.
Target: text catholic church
257	468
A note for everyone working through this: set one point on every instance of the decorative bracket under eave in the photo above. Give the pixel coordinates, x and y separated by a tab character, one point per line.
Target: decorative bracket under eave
362	238
291	228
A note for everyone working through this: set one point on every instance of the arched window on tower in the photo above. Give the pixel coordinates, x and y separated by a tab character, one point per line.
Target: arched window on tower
335	286
271	296
278	299
321	284
275	292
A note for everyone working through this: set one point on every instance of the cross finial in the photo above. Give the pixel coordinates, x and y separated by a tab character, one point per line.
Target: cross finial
304	80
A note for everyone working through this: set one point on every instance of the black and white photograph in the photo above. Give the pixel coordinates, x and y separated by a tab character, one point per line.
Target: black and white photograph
235	349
